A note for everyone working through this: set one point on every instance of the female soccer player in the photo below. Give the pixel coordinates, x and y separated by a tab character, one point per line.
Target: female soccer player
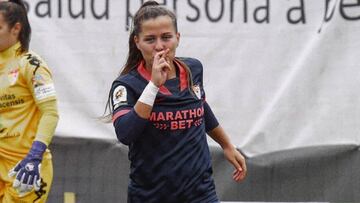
28	111
160	112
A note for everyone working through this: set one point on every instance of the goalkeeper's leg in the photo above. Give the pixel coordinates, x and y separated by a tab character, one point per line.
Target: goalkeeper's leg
2	178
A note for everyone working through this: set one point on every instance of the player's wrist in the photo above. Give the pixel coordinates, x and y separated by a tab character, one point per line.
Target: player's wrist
156	83
149	94
37	150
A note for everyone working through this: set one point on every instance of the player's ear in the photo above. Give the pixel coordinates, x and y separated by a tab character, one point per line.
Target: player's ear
16	29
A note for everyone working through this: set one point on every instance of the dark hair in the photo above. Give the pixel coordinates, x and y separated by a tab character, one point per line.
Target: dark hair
14	11
149	10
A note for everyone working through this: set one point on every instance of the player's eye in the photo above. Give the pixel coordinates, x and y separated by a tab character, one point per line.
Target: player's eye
167	37
150	39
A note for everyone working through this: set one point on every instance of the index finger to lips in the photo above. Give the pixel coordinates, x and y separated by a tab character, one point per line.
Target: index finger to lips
165	55
158	55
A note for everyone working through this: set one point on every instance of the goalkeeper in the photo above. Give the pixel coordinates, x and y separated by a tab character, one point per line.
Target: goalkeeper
28	111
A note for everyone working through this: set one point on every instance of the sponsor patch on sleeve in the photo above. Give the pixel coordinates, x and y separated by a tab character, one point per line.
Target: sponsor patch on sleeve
44	91
119	96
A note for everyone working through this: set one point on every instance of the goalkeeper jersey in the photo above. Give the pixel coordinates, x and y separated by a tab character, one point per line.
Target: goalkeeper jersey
25	82
169	154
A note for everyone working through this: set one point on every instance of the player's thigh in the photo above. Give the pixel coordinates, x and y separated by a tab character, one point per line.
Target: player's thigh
5	181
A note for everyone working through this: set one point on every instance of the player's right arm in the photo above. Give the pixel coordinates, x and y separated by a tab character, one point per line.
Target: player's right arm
130	117
159	74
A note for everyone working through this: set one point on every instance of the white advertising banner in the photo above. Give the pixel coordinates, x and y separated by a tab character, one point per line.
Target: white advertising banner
278	74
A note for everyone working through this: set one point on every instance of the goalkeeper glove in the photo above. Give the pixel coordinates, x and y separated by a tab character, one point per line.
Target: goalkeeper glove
27	171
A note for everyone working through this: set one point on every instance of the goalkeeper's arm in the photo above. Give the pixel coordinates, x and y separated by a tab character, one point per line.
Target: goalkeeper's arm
48	121
27	171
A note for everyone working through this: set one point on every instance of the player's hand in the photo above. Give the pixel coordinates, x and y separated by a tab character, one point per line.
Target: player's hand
238	161
27	171
160	68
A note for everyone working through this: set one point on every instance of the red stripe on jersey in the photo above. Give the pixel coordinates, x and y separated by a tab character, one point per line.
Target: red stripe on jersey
120	113
183	76
145	74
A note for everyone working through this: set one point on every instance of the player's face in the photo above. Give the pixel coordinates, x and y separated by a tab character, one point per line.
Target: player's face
8	36
156	35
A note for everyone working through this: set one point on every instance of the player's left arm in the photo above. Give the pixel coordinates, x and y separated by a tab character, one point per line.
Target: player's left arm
217	133
41	85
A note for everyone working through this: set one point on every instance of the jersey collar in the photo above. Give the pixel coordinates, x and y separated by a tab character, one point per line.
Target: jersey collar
9	53
163	90
183	76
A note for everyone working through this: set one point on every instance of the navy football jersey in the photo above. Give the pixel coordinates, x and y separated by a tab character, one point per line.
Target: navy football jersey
169	155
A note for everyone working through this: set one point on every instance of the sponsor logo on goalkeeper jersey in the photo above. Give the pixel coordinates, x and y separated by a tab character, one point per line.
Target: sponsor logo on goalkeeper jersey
7	97
10	100
178	120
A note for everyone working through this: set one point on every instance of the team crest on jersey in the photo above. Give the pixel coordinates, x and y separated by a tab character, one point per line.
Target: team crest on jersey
13	76
197	91
119	95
